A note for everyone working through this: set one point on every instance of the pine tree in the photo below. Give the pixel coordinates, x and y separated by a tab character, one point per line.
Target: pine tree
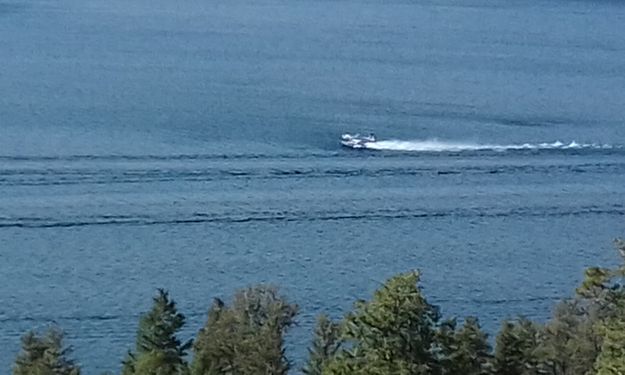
515	352
158	351
325	345
394	333
569	342
603	290
44	355
465	351
611	360
246	338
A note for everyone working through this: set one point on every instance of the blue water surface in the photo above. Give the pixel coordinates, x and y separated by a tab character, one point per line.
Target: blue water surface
194	146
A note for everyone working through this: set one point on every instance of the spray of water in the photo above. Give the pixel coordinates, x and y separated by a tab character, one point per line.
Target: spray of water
435	145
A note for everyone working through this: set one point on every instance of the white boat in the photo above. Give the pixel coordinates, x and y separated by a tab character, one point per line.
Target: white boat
356	140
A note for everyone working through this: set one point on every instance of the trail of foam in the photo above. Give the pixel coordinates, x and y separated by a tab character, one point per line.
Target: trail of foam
435	145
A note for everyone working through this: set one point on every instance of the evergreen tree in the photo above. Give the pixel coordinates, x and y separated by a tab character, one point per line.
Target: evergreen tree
397	332
325	345
569	342
394	333
515	351
611	360
246	338
158	351
465	351
44	355
446	345
611	284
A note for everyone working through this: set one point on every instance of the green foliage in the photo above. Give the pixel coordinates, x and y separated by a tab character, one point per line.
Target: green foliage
569	343
611	360
393	333
465	351
515	352
396	332
604	286
44	355
158	351
325	345
603	295
158	363
246	338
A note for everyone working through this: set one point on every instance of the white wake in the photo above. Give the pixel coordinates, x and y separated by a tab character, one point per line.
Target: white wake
435	145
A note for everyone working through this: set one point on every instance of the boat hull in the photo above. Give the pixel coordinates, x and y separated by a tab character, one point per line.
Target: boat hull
356	141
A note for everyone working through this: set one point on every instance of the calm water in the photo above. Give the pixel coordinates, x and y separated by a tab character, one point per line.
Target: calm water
194	146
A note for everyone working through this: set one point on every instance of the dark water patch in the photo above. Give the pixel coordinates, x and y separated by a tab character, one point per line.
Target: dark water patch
500	301
131	158
318	216
529	122
453	112
52	319
87	176
7	8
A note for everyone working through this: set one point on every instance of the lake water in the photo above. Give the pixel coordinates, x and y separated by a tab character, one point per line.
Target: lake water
195	146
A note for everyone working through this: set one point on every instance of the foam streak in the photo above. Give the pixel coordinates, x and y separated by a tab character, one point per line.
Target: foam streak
435	145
